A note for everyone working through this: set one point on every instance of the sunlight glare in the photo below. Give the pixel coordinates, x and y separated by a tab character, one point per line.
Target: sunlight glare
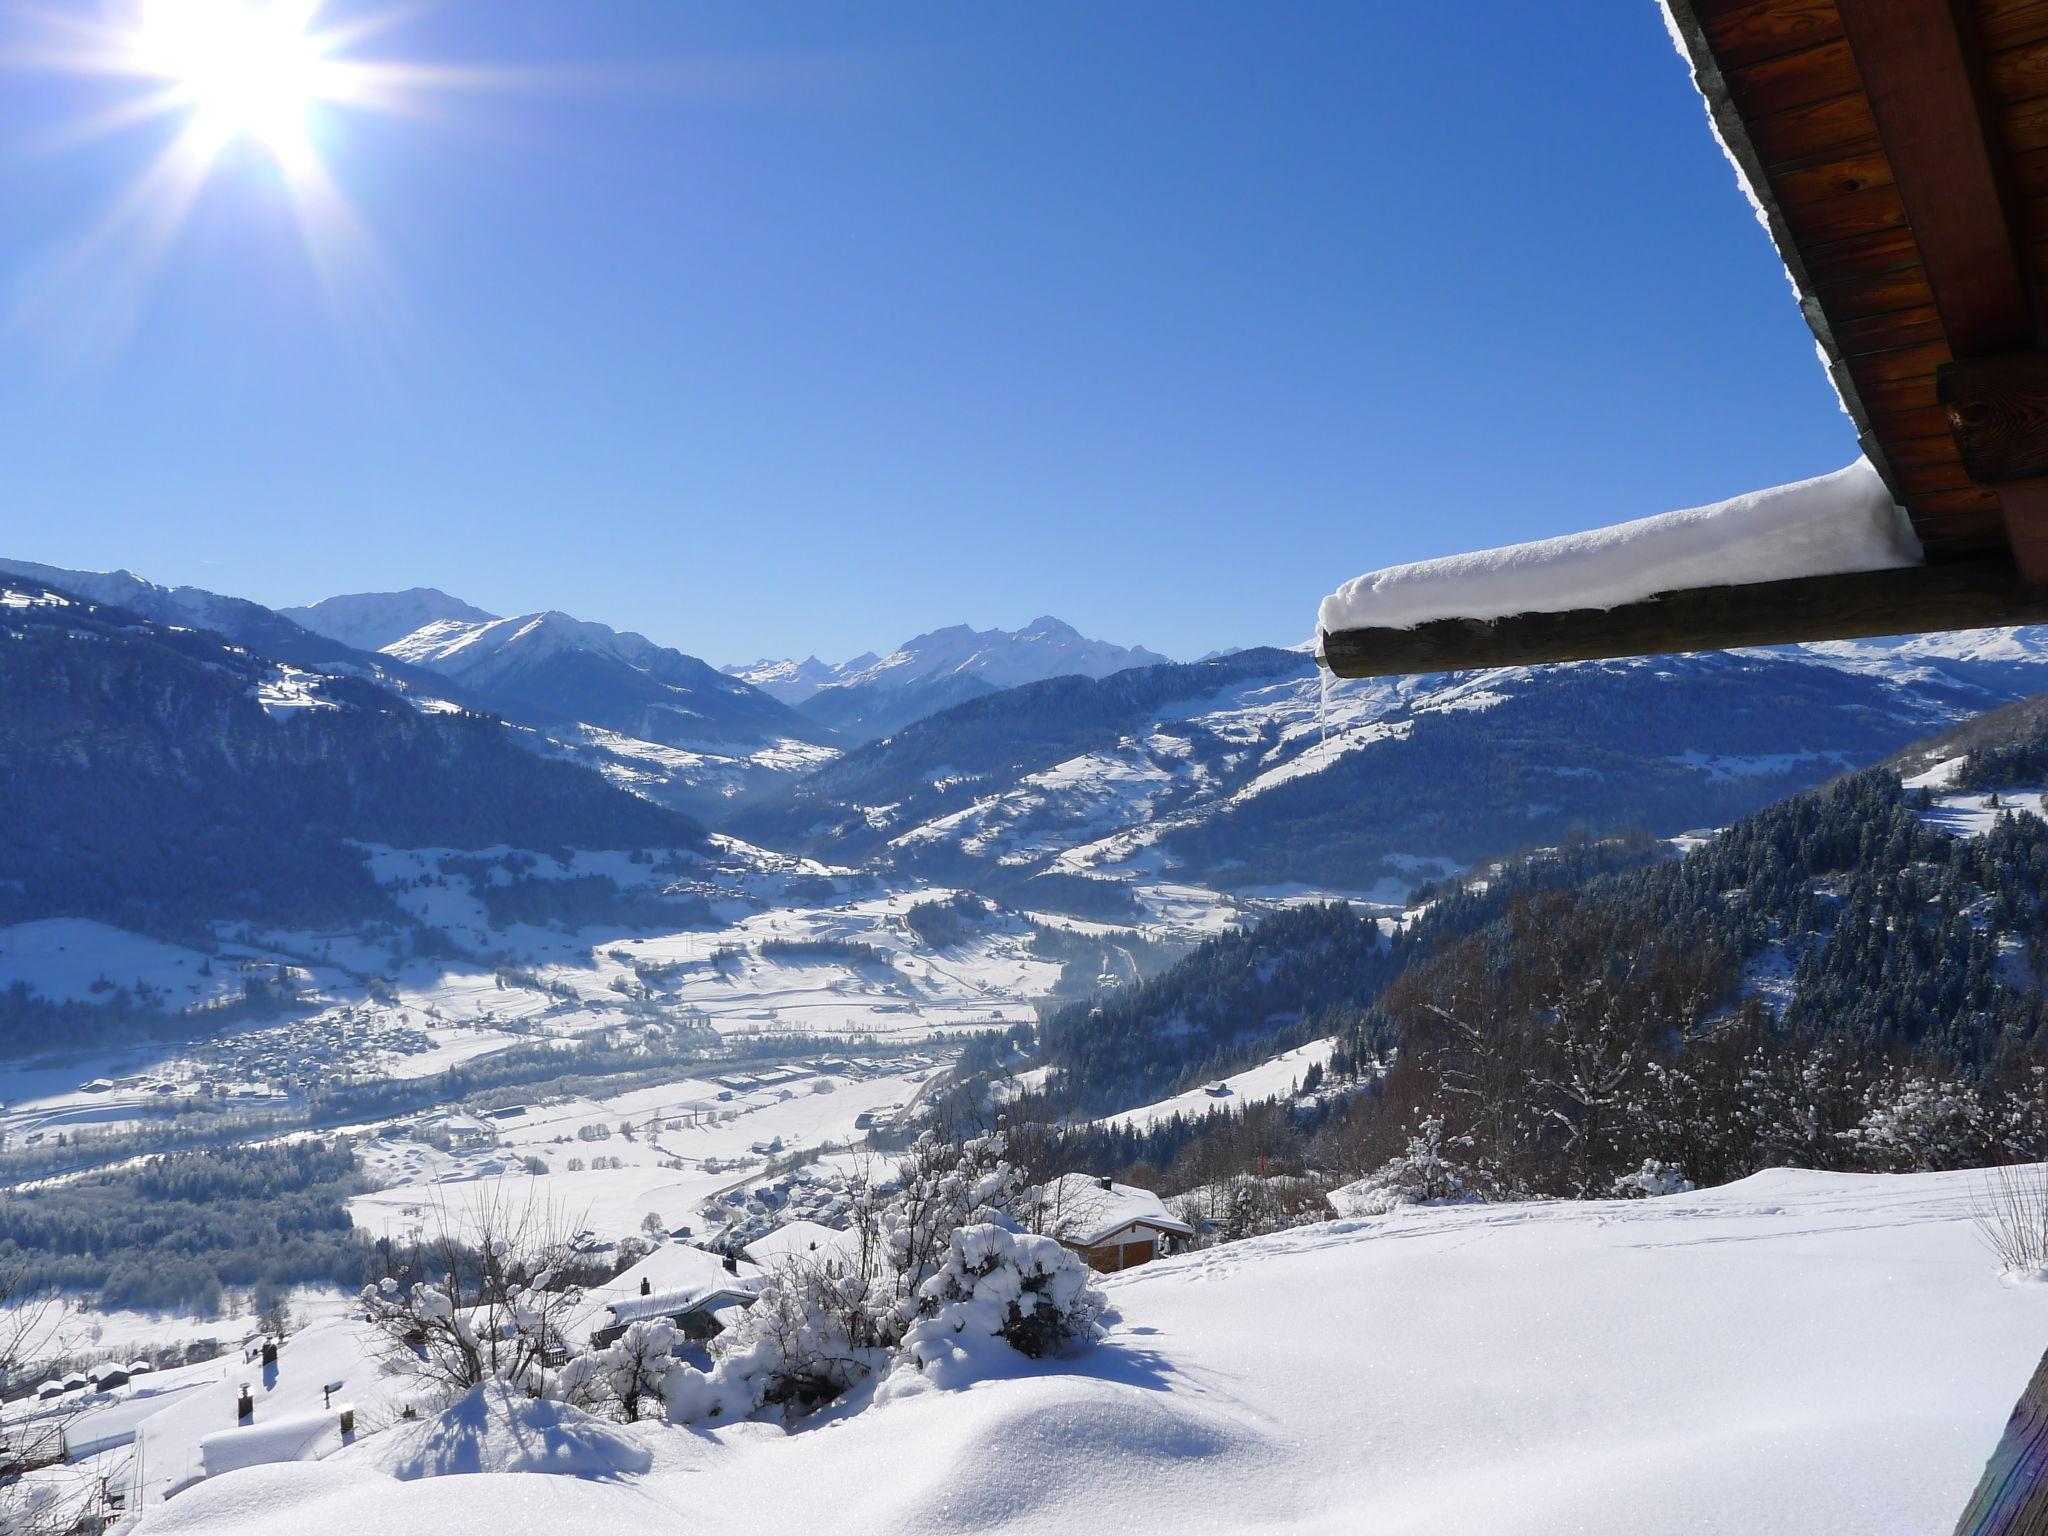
244	68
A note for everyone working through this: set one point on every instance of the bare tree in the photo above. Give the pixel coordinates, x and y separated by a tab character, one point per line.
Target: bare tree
31	1334
482	1299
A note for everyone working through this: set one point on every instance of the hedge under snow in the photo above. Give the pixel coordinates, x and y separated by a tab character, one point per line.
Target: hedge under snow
1828	526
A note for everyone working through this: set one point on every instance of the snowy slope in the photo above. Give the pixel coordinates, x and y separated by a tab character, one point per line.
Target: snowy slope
1275	1079
1798	1353
372	620
1259	775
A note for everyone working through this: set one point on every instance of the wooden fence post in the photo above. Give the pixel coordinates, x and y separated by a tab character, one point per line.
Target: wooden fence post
2012	1496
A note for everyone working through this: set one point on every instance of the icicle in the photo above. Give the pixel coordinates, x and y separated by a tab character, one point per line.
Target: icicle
1324	679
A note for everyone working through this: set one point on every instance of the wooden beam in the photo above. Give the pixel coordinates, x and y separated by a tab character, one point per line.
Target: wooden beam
1919	69
2011	1498
1997	407
1972	595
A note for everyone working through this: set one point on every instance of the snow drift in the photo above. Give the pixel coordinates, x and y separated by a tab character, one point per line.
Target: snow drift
1810	1353
1831	525
495	1428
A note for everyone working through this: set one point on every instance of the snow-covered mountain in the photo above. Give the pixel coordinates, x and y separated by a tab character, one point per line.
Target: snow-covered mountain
1255	773
794	681
372	620
560	670
871	696
261	629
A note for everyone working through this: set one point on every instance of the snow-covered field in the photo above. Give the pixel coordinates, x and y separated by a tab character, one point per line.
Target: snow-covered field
1275	1079
1799	1352
718	1141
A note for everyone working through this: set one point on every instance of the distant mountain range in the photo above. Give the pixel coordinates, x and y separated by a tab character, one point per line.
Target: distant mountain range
1114	777
164	778
873	696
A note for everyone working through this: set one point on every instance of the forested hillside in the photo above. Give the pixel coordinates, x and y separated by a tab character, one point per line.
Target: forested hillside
162	779
1833	982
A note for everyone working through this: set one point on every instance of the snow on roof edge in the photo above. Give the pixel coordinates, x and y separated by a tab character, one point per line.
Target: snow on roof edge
1831	525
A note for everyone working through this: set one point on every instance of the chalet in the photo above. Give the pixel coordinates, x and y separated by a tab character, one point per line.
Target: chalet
1897	152
701	1312
1113	1226
109	1376
695	1289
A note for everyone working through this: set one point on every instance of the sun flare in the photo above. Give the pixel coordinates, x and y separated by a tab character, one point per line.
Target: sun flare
243	68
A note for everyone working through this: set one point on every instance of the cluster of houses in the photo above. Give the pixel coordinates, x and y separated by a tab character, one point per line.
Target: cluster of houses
1111	1226
99	1378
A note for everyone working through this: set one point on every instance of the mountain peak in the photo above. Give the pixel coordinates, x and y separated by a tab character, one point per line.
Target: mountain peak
370	621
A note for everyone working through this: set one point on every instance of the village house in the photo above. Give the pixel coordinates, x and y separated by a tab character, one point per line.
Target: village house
1112	1226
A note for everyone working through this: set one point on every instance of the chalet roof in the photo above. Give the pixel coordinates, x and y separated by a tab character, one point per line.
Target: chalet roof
1080	1209
676	1303
1897	151
801	1239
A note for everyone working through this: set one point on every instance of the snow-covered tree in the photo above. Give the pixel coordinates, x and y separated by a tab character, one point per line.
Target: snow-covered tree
626	1375
1429	1172
486	1308
1000	1288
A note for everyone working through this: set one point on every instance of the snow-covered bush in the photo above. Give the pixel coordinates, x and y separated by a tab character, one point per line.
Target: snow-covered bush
1427	1173
823	1326
1653	1179
626	1375
815	1332
1921	1123
1252	1205
1000	1289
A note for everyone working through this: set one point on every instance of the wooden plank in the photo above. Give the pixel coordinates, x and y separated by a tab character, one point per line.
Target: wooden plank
1833	175
1816	74
1857	335
1923	421
1764	29
1997	408
1909	362
2011	1498
2011	23
1965	595
1797	134
2017	74
1917	70
2024	506
2024	126
1843	213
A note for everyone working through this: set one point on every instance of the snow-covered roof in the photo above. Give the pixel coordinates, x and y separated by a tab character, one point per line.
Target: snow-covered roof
801	1240
671	1270
637	1309
1831	525
1083	1210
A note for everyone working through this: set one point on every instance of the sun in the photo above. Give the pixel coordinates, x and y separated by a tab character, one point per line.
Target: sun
250	69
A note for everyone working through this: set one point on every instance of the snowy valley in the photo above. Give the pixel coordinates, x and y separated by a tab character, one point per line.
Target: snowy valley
525	924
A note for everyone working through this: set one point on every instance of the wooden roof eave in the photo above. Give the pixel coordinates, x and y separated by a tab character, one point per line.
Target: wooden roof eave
1740	148
1876	138
1976	594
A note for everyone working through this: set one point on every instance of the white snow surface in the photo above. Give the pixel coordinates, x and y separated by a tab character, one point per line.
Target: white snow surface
496	1429
1801	1353
1829	525
1274	1079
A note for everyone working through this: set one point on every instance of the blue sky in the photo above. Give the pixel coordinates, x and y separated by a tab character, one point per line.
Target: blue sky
769	328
